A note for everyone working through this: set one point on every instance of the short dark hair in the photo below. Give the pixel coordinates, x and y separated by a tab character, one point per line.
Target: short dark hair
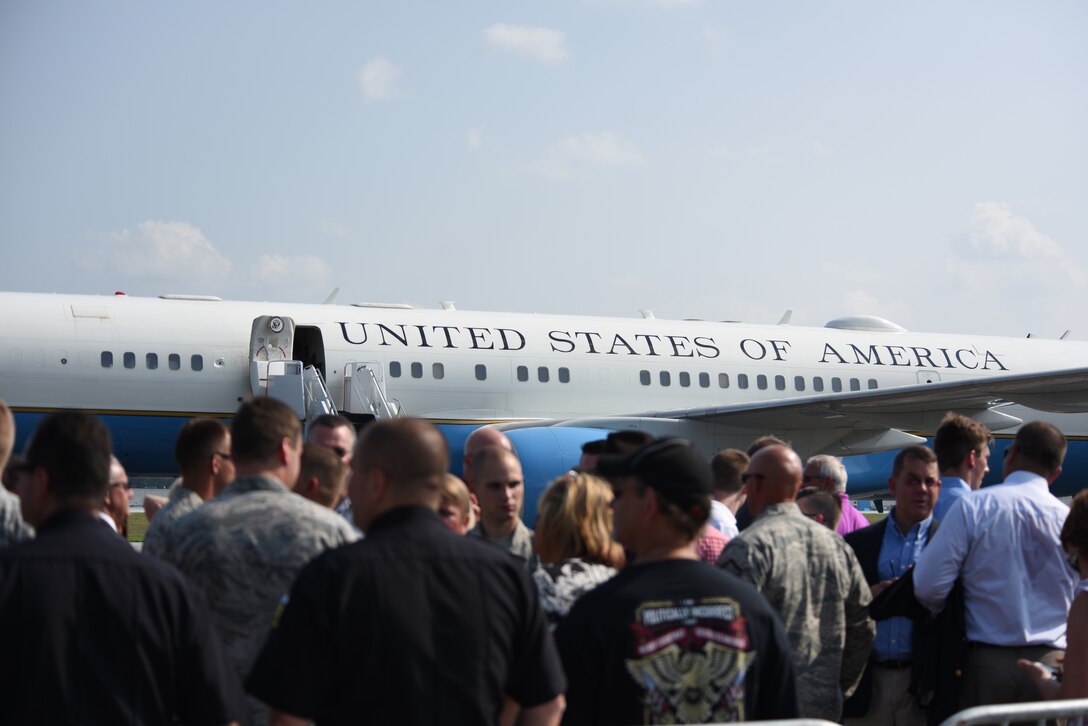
956	437
259	425
826	503
922	453
322	462
1042	445
727	466
332	421
74	449
412	452
197	441
620	442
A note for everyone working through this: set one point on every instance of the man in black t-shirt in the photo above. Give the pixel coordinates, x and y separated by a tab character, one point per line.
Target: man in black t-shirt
414	624
671	639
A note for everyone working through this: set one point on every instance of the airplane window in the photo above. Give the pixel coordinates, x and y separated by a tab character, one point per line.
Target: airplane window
666	378
872	384
564	375
417	370
761	382
644	377
438	371
130	360
855	384
107	359
542	374
780	383
817	384
836	385
685	379
152	361
723	380
197	362
394	369
174	361
742	380
523	373
481	372
799	383
704	380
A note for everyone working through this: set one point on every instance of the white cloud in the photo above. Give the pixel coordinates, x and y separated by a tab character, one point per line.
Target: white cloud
334	229
995	230
166	250
475	138
378	79
564	158
542	44
297	270
715	39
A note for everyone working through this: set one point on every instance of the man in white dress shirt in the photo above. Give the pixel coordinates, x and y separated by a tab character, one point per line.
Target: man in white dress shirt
1004	542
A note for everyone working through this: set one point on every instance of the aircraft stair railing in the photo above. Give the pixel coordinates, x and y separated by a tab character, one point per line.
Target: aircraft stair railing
317	398
366	395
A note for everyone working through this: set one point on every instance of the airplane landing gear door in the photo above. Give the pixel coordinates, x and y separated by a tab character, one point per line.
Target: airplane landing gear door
271	371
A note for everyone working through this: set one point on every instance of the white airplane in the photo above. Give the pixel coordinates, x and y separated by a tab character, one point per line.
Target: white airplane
858	386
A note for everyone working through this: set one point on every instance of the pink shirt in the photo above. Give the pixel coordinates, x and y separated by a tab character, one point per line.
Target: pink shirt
851	518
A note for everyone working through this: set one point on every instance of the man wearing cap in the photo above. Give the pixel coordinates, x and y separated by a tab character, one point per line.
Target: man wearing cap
671	639
811	577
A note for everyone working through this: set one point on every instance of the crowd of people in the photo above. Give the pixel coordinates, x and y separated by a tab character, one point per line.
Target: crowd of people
350	577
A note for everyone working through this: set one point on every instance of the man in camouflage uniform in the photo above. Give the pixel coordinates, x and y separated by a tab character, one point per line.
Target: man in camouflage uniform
811	577
202	451
245	547
498	483
12	527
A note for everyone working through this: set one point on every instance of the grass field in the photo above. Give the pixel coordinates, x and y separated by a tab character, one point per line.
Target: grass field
137	526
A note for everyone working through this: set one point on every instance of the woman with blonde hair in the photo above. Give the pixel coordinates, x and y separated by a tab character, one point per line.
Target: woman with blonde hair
574	541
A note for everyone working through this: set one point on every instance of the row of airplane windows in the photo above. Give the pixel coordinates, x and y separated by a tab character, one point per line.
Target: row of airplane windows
151	361
742	381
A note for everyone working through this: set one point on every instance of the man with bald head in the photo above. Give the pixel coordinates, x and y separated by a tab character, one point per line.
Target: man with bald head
499	486
413	624
810	576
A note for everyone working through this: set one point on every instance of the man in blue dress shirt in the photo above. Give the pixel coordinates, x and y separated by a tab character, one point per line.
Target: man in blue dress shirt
887	550
1003	541
963	451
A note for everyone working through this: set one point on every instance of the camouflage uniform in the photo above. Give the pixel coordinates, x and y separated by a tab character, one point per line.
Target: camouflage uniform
519	544
13	529
160	533
812	578
244	549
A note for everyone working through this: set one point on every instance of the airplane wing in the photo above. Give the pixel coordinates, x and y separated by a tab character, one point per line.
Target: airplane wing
877	419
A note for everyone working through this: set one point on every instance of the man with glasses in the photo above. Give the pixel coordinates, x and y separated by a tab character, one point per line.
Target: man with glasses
887	550
202	451
671	639
337	433
828	473
114	511
810	577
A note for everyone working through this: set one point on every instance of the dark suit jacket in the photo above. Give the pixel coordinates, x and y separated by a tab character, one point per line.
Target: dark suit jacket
937	642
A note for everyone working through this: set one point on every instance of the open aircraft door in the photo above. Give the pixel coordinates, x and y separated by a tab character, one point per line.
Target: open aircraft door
273	373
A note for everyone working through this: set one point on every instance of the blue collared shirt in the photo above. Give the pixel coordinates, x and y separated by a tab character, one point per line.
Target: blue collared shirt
898	552
953	489
1004	541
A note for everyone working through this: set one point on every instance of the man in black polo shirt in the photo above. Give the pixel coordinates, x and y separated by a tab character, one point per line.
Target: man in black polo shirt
414	624
91	631
671	639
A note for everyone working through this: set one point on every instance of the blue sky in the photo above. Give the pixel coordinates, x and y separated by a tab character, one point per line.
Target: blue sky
923	161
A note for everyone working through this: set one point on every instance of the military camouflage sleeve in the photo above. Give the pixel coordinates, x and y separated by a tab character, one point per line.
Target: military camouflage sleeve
860	628
742	560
